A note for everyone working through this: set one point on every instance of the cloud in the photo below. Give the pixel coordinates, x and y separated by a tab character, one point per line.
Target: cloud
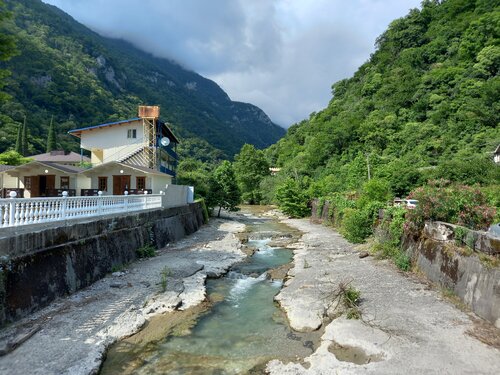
280	55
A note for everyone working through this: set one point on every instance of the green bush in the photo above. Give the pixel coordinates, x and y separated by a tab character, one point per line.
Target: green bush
146	251
457	204
204	209
291	198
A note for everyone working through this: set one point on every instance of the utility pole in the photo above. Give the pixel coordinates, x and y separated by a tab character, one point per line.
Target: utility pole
368	165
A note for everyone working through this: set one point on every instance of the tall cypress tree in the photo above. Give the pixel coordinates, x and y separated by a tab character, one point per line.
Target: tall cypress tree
51	138
24	142
19	140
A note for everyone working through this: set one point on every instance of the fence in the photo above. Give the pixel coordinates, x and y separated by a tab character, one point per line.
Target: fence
21	211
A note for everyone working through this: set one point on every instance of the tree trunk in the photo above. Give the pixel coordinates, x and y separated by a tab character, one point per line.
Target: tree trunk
218	215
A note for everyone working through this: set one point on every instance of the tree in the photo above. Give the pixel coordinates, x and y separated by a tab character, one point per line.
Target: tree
24	139
223	190
291	198
7	46
12	158
19	140
51	138
250	167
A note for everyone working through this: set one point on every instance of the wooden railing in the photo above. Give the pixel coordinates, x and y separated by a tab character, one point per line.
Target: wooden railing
22	211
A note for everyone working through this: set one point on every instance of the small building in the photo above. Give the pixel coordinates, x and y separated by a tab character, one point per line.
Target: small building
135	156
496	155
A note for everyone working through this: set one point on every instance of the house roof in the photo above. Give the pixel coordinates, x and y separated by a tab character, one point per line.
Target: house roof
78	132
60	157
124	165
60	167
4	168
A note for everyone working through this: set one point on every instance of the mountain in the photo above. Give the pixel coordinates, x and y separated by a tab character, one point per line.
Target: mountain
81	78
425	105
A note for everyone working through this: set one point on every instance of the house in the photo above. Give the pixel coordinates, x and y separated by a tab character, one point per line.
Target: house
496	155
135	156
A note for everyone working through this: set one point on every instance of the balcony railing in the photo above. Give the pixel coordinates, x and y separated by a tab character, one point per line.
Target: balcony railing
21	211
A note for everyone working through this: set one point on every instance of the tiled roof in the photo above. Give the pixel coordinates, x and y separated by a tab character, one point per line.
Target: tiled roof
60	157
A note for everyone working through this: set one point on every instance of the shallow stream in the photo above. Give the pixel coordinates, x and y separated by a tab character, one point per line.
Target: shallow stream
239	333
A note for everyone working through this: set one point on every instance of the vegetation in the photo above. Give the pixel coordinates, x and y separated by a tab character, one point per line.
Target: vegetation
164	274
223	190
66	71
13	158
424	107
7	46
51	138
250	167
146	251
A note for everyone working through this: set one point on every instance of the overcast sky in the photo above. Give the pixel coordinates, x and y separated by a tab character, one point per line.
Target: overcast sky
281	55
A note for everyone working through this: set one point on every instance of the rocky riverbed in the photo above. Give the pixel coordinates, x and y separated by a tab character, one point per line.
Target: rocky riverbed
406	325
72	335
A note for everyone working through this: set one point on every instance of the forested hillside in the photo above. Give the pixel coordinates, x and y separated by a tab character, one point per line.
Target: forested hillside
426	105
64	69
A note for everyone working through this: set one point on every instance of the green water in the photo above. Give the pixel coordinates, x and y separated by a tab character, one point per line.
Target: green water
240	334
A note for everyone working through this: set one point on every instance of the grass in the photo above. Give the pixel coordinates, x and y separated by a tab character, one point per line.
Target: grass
146	251
164	274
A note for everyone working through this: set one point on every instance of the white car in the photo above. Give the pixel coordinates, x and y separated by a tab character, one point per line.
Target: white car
411	203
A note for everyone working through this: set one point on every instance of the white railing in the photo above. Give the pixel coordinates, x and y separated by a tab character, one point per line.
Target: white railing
23	211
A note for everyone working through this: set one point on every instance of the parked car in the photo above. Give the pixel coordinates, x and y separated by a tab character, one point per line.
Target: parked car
411	203
494	230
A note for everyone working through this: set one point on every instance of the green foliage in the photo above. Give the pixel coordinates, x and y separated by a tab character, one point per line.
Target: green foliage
51	138
195	173
13	158
425	106
204	209
66	70
250	167
146	251
291	198
223	190
164	274
456	204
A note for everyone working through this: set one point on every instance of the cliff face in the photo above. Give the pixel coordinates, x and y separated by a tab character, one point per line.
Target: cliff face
66	70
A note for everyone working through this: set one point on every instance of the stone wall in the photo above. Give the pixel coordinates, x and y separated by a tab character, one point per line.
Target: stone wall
473	280
39	264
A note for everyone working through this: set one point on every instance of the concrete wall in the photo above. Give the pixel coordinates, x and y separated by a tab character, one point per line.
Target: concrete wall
112	140
472	280
175	195
56	260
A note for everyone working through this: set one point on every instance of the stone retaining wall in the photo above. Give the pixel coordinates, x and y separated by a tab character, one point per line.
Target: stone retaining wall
39	264
474	281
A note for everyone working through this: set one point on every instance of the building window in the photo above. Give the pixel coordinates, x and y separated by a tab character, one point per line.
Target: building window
65	182
140	183
102	183
132	133
27	182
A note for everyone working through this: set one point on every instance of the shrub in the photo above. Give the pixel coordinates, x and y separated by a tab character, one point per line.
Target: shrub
146	251
291	198
456	204
357	224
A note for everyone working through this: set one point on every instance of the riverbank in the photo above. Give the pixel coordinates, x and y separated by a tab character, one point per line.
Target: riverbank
71	336
406	326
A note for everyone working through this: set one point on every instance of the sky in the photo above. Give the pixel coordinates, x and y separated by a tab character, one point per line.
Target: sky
281	55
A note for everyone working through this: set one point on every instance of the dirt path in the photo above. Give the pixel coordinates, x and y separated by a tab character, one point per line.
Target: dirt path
406	326
72	334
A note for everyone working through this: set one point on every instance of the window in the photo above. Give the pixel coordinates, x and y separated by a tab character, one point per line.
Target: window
140	183
65	182
27	182
102	183
132	133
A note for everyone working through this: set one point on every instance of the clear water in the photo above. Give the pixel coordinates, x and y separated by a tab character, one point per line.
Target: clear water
239	334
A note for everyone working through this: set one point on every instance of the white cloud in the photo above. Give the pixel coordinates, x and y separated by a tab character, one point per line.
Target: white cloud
280	55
